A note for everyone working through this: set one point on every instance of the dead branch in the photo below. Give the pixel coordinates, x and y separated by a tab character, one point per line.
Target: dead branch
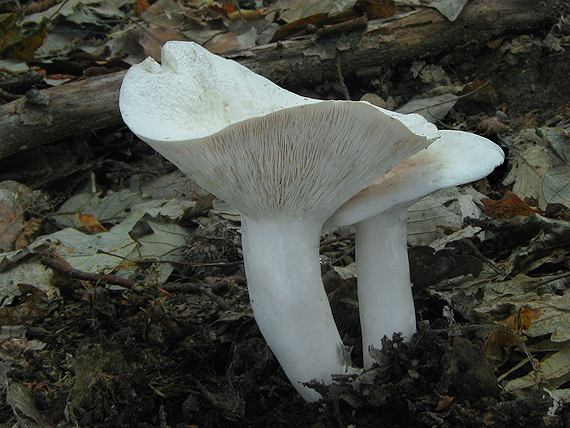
92	104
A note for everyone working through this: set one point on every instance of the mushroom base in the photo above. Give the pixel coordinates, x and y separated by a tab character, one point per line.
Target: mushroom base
384	289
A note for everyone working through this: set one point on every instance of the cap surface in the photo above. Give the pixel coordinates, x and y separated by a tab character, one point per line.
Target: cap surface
456	158
193	93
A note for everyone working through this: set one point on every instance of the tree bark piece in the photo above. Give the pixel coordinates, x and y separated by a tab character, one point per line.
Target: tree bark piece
92	104
51	114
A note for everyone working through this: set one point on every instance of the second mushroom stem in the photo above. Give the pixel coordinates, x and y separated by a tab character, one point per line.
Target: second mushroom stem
384	287
289	301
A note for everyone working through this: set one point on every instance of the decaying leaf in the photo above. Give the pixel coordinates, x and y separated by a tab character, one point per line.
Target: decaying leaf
23	406
533	163
108	209
480	91
493	126
377	9
89	222
36	305
39	6
295	27
293	10
309	15
444	403
432	109
28	232
507	333
552	372
445	208
15	42
508	207
551	317
141	6
15	198
471	374
556	185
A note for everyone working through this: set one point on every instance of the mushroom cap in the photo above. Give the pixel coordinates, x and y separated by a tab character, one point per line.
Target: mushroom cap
194	93
455	158
259	147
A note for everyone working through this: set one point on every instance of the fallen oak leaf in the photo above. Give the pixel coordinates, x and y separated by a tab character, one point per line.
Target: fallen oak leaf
508	207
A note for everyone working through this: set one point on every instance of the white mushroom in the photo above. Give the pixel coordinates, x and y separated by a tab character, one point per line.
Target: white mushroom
384	288
286	163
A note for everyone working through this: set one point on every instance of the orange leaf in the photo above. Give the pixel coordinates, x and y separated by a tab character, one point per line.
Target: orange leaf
481	91
226	7
248	15
508	207
26	48
292	28
508	333
90	222
443	403
376	9
141	6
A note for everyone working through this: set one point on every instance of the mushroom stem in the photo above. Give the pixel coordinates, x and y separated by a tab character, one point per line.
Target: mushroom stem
384	289
289	301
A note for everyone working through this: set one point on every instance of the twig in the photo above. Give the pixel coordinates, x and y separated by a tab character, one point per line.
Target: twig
341	79
343	27
480	255
173	262
339	239
458	97
547	280
69	271
207	289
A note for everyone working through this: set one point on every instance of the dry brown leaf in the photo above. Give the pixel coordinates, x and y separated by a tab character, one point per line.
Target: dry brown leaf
152	39
444	403
507	334
223	7
90	222
493	126
376	9
289	30
223	43
248	15
14	200
508	207
141	6
370	9
481	91
30	229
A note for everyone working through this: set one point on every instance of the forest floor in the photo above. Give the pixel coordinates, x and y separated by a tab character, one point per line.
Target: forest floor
176	345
